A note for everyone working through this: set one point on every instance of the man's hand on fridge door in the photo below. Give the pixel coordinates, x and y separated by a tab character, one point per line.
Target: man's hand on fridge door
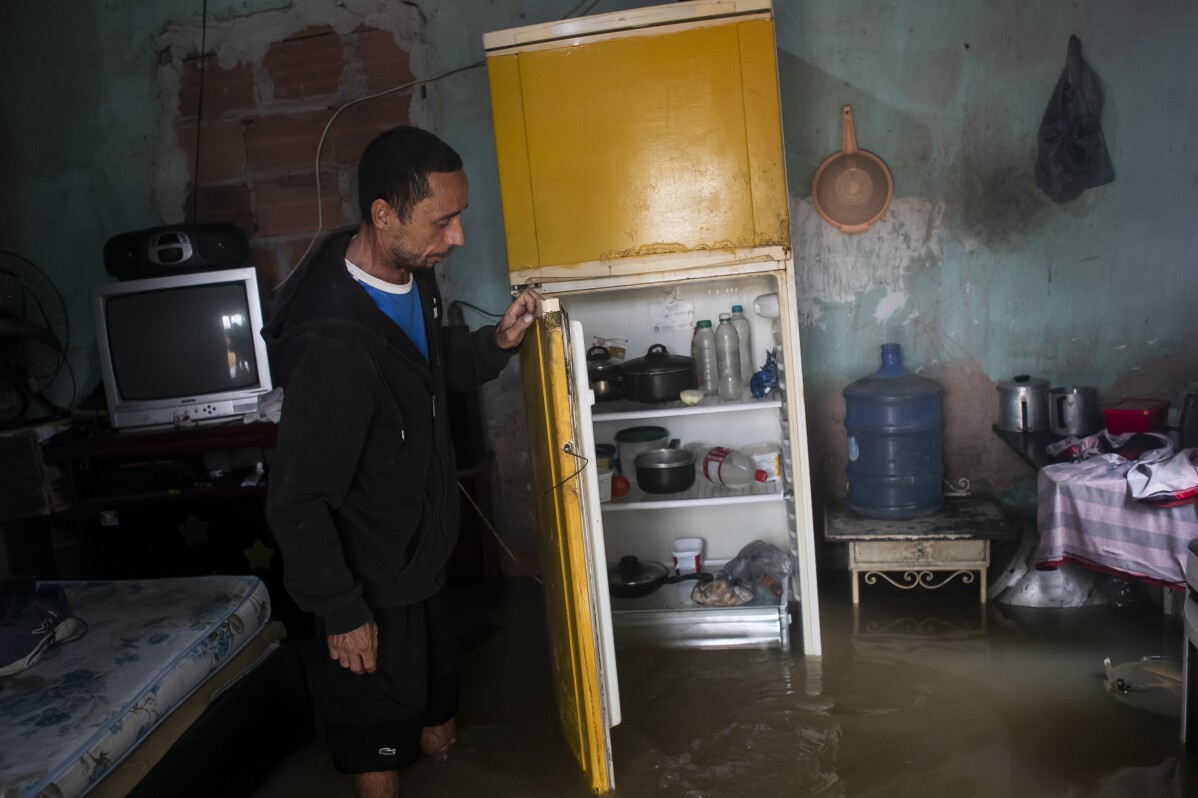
517	318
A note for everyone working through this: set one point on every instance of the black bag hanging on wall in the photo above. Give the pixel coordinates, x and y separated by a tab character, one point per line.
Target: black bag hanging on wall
1073	155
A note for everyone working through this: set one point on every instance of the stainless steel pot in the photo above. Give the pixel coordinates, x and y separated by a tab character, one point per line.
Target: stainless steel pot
669	470
658	376
1073	410
1023	404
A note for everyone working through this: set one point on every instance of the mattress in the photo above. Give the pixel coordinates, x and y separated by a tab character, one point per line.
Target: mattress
72	717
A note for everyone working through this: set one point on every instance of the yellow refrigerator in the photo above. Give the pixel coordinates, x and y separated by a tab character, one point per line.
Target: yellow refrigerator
643	186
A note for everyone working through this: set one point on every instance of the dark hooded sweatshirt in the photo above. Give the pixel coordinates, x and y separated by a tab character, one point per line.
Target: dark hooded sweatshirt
362	498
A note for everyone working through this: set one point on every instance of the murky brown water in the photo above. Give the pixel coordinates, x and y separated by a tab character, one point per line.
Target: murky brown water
921	695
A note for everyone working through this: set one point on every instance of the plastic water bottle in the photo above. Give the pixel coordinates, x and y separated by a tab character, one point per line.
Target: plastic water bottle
893	422
747	366
727	352
728	467
703	351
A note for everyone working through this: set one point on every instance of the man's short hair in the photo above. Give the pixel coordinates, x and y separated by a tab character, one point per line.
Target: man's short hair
395	168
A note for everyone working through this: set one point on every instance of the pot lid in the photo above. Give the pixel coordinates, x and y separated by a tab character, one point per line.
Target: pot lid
631	570
1022	381
599	360
658	360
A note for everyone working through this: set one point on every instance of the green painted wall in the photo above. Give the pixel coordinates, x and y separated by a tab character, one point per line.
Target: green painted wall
976	272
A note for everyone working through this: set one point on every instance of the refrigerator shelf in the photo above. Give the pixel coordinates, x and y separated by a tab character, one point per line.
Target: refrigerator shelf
667	618
701	493
623	410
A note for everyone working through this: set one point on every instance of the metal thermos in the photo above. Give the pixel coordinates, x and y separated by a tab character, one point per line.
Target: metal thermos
1187	422
1023	404
1073	410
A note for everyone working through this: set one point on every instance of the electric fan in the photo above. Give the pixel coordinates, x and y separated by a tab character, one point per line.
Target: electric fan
33	337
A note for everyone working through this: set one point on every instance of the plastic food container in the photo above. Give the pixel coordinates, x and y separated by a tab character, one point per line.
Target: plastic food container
631	441
605	455
768	457
1137	415
688	555
604	484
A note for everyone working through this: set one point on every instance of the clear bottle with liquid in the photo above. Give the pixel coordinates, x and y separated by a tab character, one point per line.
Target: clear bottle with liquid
731	468
747	366
706	363
727	351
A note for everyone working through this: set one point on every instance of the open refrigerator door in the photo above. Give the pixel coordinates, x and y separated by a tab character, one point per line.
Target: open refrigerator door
562	455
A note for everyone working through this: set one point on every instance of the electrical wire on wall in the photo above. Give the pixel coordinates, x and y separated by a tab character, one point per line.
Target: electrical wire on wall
460	303
494	532
324	134
583	12
195	188
578	9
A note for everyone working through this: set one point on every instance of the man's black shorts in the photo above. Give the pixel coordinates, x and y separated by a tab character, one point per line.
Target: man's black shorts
373	721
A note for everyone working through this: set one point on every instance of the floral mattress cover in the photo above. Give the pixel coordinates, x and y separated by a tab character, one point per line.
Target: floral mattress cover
65	721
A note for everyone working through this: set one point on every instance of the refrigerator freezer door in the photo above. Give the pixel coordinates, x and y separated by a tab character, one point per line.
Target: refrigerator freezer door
566	488
639	147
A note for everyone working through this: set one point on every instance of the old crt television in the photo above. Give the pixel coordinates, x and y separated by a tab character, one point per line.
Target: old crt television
181	350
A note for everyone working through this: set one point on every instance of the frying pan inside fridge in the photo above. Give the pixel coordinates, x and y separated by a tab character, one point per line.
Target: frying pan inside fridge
853	188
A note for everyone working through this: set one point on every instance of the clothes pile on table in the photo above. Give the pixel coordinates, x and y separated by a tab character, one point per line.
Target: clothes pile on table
1124	505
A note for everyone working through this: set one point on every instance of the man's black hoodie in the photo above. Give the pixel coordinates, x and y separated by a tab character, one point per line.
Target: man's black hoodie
362	496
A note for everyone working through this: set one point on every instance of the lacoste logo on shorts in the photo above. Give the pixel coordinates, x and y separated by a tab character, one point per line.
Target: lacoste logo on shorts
387	752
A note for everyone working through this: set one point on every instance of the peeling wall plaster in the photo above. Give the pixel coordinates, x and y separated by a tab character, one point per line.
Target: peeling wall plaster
836	269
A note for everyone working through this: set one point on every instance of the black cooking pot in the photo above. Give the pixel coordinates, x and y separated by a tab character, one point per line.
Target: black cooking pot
632	577
658	376
603	373
668	470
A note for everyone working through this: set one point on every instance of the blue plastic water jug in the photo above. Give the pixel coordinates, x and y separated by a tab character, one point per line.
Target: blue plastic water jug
893	422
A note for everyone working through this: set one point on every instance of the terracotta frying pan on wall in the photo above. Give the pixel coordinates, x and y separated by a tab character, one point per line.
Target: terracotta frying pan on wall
853	188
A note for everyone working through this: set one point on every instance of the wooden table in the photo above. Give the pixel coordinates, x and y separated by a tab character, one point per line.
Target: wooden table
952	542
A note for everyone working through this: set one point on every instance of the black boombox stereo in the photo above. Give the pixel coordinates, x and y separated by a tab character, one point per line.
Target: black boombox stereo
175	249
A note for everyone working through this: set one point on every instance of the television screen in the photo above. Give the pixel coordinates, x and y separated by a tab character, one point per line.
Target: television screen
181	349
181	342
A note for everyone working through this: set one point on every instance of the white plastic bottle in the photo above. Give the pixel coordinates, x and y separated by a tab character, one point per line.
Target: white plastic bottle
703	351
747	366
727	351
728	467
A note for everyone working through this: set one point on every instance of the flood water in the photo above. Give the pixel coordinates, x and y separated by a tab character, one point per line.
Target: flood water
917	694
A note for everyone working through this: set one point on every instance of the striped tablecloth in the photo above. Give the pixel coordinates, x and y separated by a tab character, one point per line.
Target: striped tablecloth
1086	514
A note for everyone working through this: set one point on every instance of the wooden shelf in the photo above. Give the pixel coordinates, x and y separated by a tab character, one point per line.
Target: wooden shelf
134	445
116	501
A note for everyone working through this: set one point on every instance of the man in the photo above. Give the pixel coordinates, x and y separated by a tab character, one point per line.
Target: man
363	497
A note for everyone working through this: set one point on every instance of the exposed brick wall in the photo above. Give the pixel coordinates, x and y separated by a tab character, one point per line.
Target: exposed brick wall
222	150
360	123
384	63
260	126
225	90
285	204
306	65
